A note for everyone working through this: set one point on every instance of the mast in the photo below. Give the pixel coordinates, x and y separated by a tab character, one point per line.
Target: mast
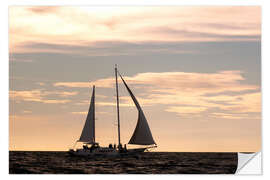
117	101
94	117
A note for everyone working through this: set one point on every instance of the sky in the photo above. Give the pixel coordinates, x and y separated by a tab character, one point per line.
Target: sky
195	70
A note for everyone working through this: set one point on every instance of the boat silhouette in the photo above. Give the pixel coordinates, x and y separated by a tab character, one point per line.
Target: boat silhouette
141	136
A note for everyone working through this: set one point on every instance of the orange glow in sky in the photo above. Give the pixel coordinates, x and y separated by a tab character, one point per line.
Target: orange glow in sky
194	70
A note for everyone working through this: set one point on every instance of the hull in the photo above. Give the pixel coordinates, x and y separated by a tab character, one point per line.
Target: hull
135	151
95	152
105	152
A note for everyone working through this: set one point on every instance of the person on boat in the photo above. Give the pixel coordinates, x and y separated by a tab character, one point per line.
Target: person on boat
92	148
120	146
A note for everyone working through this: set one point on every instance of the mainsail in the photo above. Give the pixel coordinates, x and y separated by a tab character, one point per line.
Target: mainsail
142	134
88	132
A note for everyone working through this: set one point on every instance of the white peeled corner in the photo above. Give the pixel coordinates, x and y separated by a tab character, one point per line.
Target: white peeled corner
249	163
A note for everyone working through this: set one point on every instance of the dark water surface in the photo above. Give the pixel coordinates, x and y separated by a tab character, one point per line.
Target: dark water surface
27	162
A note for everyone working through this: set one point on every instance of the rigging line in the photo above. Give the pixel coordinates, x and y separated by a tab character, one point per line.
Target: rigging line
74	145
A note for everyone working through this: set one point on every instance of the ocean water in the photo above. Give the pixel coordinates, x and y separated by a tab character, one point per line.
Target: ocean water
27	162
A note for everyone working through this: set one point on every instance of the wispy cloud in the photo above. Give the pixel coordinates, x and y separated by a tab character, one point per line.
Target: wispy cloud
215	82
27	112
113	104
205	36
38	95
104	48
106	83
186	110
77	26
43	9
85	112
186	93
66	94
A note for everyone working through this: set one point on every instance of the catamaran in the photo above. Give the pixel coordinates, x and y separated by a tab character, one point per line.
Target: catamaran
141	136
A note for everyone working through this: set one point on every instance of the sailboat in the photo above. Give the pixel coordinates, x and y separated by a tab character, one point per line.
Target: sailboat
141	136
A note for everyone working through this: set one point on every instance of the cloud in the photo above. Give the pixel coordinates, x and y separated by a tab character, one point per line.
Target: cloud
80	113
215	82
77	25
185	93
27	112
54	101
65	93
245	103
103	48
73	84
85	112
38	95
199	35
113	104
231	93
43	9
228	115
105	83
185	110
